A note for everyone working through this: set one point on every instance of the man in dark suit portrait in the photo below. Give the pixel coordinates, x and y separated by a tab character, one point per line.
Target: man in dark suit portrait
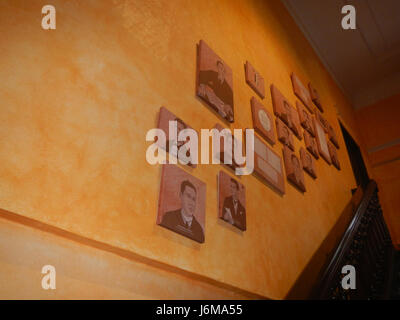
214	88
232	210
174	146
183	220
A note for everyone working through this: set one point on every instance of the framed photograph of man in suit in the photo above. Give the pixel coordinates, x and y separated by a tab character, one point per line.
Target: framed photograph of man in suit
231	201
214	82
182	203
174	146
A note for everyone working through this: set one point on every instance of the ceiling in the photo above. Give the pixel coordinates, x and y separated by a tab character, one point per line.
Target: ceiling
365	62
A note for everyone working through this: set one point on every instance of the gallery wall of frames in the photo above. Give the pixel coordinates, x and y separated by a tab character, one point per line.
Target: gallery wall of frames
78	101
182	196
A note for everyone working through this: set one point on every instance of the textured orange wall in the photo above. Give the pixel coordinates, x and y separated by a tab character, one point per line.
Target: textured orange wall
380	131
77	102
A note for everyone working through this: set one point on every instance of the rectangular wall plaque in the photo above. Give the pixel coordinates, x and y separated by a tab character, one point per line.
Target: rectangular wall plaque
294	172
228	152
311	144
322	141
333	155
315	97
268	165
231	201
301	92
305	119
263	121
285	136
182	203
214	82
174	146
308	163
254	80
332	136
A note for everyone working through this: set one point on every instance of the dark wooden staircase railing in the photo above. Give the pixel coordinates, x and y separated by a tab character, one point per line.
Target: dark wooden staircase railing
366	245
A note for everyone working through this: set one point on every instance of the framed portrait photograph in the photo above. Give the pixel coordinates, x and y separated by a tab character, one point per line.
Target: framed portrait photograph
332	136
182	203
231	201
301	92
268	165
315	97
294	172
308	163
254	80
295	123
285	136
174	146
214	83
322	142
228	151
311	144
334	156
305	119
280	105
263	121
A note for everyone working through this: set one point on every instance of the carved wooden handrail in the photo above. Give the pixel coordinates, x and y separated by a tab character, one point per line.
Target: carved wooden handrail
366	245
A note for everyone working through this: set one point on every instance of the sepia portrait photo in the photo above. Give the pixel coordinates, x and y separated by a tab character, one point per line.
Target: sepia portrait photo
214	82
231	201
182	203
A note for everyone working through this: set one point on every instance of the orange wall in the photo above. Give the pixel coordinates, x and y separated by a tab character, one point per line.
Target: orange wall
380	130
77	102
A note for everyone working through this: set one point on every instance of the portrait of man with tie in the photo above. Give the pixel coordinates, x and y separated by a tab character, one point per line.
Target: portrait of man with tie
179	190
214	82
232	198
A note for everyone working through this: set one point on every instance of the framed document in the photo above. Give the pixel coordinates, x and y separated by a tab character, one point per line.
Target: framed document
268	165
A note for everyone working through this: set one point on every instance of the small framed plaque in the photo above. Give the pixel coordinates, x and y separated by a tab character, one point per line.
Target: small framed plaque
268	165
308	163
322	142
255	80
301	92
294	172
263	121
285	136
231	201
